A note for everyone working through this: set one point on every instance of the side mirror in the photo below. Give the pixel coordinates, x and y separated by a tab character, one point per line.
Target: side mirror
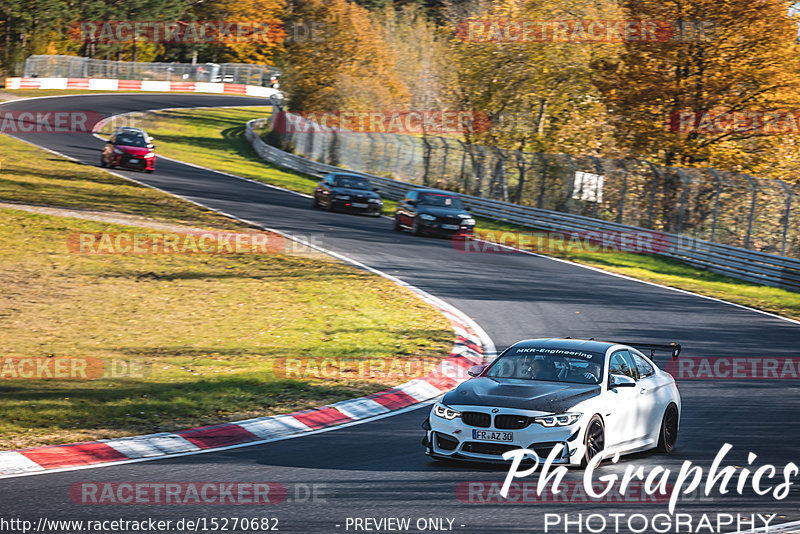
411	202
621	381
476	370
151	146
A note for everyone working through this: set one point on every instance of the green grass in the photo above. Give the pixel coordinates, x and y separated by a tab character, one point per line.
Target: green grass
221	135
215	139
29	175
209	330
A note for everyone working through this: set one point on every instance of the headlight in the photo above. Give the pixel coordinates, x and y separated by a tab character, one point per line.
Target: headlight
561	419
149	155
426	217
468	222
445	412
375	200
342	197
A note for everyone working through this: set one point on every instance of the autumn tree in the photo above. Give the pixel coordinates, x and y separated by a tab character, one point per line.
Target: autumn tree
538	92
29	27
730	55
422	57
259	47
342	61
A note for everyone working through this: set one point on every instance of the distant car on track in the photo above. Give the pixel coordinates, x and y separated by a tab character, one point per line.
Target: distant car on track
430	211
592	397
347	192
130	148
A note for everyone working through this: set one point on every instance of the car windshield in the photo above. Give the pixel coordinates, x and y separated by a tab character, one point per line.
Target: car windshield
549	364
440	200
352	182
131	140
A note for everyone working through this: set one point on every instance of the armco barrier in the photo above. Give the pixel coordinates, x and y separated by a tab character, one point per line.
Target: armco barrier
102	84
738	263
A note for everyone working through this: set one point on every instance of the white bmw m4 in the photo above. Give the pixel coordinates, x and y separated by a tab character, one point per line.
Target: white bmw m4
590	397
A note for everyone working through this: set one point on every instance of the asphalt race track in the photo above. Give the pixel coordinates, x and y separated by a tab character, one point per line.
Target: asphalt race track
378	469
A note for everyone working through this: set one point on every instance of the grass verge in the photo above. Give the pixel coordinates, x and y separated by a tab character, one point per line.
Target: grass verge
221	133
29	175
209	334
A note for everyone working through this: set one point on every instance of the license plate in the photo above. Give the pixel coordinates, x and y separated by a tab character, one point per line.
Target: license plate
358	205
488	435
450	226
134	161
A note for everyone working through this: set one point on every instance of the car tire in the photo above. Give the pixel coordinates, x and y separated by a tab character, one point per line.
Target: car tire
329	207
668	434
416	229
397	226
314	202
149	171
103	163
595	439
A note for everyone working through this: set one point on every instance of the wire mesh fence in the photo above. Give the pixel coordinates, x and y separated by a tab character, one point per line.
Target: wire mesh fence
717	206
82	67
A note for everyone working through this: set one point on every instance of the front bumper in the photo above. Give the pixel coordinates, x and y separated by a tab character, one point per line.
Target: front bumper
454	439
135	162
436	228
347	205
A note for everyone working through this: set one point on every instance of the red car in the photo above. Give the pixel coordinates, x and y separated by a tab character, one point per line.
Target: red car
130	148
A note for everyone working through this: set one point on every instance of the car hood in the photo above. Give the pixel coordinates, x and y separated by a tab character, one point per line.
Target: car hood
550	397
437	211
133	150
366	193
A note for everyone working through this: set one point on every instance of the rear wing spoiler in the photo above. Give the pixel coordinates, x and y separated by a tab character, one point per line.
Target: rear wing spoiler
673	348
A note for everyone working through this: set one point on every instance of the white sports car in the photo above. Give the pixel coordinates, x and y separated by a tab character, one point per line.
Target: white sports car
590	396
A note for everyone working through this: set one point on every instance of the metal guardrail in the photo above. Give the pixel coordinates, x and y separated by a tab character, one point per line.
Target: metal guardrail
740	210
752	266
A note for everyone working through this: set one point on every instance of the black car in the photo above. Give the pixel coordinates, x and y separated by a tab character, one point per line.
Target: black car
347	192
429	211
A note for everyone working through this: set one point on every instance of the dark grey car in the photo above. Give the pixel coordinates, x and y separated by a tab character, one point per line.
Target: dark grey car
347	192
